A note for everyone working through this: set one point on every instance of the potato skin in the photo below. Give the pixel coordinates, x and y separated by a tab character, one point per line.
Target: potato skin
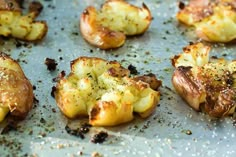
207	84
16	91
108	28
192	91
103	91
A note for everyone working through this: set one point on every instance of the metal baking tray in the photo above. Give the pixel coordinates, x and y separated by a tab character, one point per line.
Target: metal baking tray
173	130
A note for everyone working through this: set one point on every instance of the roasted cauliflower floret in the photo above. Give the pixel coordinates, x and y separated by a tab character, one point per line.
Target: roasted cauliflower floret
14	23
104	91
215	21
205	83
107	28
16	92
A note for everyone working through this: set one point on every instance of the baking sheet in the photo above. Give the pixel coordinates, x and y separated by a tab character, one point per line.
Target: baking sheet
43	133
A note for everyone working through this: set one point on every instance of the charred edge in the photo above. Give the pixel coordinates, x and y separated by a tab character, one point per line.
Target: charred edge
174	59
94	112
86	12
181	5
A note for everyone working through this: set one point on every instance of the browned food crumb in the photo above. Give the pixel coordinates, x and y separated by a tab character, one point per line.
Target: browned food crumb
99	137
53	90
96	154
79	132
51	64
132	69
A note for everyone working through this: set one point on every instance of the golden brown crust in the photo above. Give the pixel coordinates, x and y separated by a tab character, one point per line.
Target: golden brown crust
208	85
103	91
107	28
16	91
24	27
195	11
214	21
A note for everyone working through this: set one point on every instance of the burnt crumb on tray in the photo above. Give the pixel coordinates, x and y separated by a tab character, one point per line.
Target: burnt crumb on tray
78	132
132	69
99	137
51	64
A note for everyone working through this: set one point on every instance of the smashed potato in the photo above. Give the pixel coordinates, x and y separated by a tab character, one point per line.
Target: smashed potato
107	28
207	84
14	23
16	92
215	21
104	91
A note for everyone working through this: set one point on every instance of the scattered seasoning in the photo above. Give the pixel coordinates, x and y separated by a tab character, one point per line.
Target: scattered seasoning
51	64
75	33
99	137
42	120
51	6
11	145
54	110
132	69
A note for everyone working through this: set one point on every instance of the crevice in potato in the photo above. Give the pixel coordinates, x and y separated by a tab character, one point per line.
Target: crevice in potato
107	28
24	27
16	92
205	83
214	21
104	91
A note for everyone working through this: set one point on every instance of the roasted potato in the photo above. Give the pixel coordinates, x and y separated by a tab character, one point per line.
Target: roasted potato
104	91
14	23
205	83
107	28
16	92
214	21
